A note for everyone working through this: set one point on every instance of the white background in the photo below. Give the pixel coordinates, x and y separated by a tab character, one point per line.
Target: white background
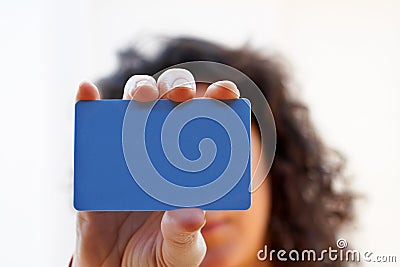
344	56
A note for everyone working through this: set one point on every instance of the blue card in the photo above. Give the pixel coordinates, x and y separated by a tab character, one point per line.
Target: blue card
162	155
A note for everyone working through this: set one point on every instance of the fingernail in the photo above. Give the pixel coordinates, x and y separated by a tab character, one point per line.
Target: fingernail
181	82
227	85
133	89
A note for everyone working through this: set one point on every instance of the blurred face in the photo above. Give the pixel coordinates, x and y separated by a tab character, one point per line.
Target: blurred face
234	237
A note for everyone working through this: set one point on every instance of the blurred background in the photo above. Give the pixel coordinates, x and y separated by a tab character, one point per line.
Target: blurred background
344	57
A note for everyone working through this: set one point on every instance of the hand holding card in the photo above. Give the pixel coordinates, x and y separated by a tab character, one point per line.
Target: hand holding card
101	233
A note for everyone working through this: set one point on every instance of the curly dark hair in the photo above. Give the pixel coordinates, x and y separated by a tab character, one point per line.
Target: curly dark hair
307	211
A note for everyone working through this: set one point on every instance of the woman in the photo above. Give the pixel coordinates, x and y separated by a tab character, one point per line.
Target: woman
295	208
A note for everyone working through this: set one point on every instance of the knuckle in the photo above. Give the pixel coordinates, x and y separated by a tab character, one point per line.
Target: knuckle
183	240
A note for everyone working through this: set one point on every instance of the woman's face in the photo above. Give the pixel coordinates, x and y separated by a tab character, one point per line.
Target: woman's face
234	237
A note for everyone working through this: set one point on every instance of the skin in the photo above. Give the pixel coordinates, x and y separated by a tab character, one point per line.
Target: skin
179	237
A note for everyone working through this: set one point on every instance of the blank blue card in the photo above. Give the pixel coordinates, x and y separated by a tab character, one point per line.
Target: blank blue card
162	155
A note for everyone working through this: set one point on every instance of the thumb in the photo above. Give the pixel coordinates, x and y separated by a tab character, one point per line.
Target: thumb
183	243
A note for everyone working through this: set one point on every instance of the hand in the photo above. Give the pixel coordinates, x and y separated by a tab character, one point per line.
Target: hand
170	238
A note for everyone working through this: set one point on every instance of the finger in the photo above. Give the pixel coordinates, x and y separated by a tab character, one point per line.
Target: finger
183	243
141	88
87	91
223	90
177	85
